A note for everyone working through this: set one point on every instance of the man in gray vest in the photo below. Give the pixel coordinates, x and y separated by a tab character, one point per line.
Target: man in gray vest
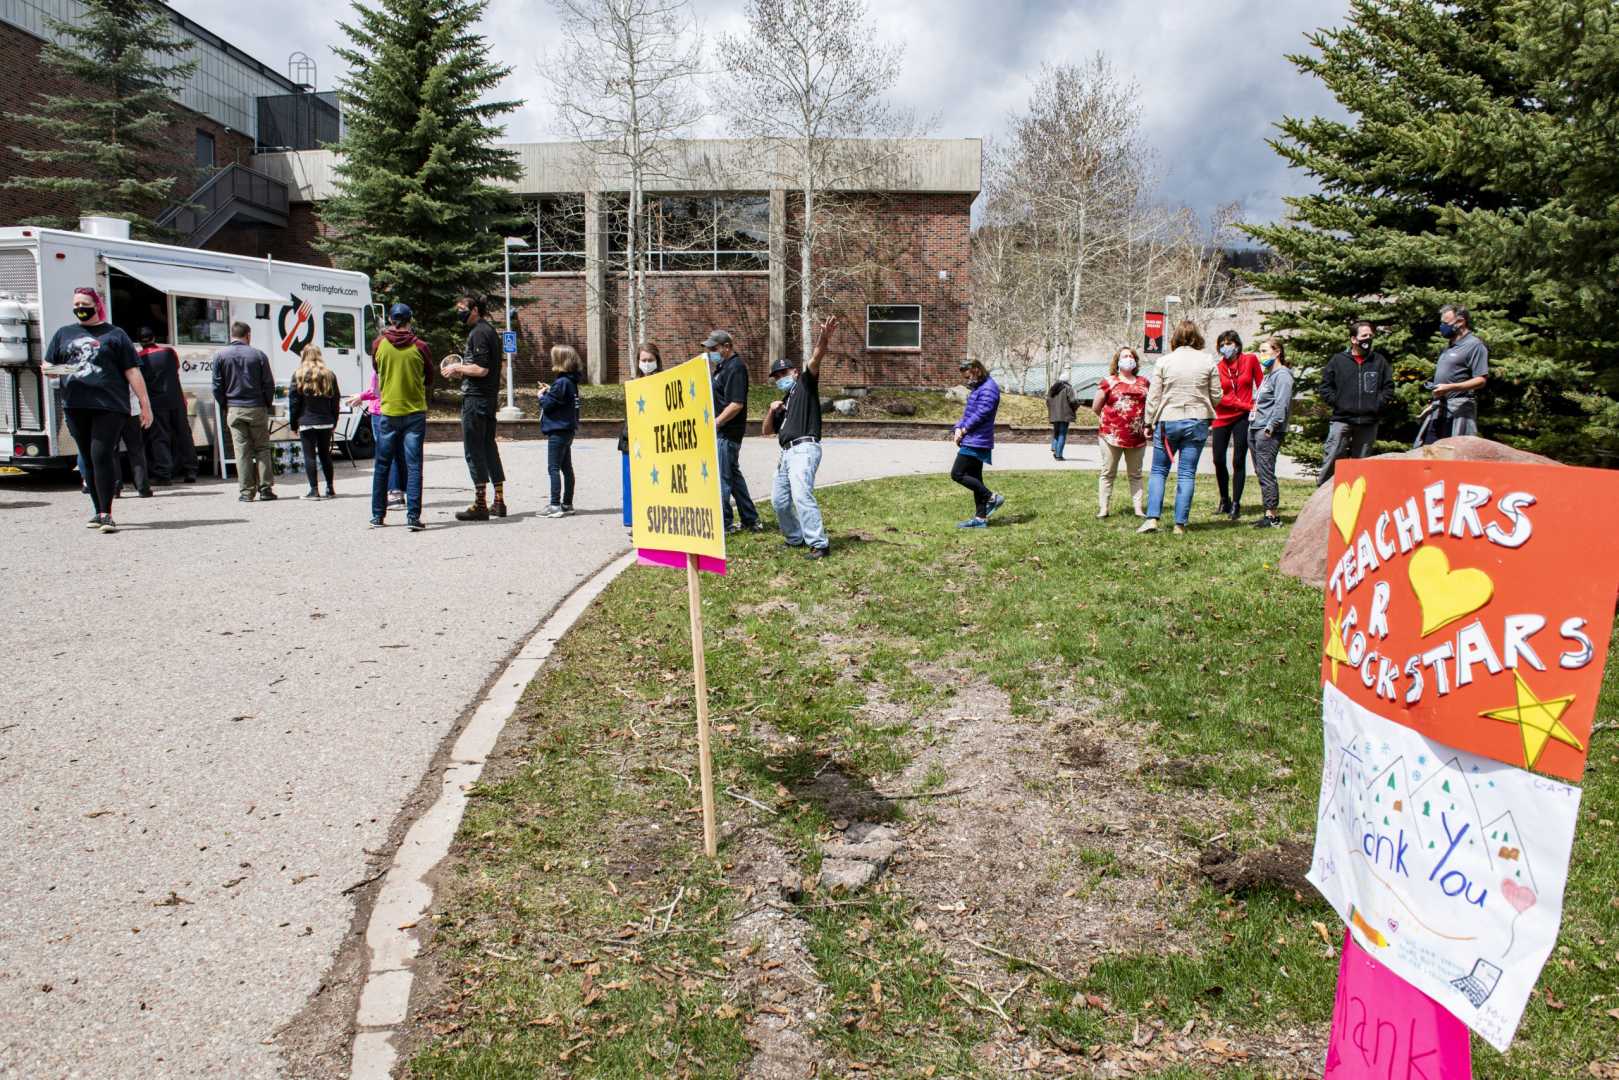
244	390
1463	368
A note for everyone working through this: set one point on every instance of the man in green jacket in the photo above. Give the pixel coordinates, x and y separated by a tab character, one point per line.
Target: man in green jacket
404	372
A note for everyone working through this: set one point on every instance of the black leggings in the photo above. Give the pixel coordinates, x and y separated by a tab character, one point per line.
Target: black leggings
317	442
1235	437
969	473
97	432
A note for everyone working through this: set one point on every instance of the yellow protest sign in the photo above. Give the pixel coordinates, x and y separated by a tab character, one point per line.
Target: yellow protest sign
674	462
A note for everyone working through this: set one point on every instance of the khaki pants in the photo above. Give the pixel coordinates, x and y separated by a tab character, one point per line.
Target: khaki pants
250	431
1110	468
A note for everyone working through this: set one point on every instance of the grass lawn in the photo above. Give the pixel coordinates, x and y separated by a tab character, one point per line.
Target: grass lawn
1056	714
607	402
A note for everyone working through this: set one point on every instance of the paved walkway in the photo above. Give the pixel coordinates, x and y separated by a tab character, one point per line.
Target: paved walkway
212	716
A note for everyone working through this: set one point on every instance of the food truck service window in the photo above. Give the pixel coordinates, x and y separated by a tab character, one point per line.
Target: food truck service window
199	321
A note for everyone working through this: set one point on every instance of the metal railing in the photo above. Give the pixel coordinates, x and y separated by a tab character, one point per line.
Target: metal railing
230	190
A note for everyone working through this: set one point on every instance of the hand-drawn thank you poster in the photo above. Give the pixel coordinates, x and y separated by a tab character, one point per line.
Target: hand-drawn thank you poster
1469	607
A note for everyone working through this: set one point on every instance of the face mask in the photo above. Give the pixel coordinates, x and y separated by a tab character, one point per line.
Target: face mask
1448	330
1228	351
715	358
1364	345
1127	365
648	366
463	314
1266	362
786	383
84	312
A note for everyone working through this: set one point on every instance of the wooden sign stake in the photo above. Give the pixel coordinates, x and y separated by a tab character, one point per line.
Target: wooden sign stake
705	765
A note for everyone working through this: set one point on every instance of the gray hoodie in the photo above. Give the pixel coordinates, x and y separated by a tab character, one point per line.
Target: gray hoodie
1273	402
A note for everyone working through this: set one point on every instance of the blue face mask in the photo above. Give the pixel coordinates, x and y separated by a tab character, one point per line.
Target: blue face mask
1228	351
1266	362
715	358
786	383
1448	330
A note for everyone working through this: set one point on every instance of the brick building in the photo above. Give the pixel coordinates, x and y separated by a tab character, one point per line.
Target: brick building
895	262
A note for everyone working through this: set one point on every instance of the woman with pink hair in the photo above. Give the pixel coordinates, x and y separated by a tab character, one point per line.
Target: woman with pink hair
98	370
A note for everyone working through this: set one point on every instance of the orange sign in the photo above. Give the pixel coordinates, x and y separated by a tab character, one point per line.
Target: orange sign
1473	602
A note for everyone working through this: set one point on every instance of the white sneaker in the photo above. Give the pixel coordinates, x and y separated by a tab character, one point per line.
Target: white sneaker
1101	513
1150	525
551	512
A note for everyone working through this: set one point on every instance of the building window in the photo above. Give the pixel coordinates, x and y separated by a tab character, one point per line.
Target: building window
337	329
696	233
894	326
555	236
205	150
199	321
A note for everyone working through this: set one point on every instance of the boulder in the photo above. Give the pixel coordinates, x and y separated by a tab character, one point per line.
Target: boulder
899	407
958	394
846	406
1305	556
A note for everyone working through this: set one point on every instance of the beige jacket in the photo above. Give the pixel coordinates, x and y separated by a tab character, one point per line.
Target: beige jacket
1186	386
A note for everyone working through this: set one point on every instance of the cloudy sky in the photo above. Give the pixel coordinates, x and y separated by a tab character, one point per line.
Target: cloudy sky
1212	73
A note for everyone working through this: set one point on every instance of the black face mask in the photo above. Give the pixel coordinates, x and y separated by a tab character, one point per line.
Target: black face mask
464	314
1365	346
84	313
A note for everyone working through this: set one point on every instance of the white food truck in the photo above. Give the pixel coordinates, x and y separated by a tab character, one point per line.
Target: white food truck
189	297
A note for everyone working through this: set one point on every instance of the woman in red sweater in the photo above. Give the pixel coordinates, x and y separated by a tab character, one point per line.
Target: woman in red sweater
1240	375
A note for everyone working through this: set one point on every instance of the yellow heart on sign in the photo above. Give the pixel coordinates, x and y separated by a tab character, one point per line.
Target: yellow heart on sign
1346	500
1445	594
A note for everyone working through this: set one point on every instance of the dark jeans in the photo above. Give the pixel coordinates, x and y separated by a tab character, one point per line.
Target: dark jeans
559	463
478	439
317	444
400	437
1265	451
1345	440
97	432
396	474
1059	436
170	451
134	439
732	485
1232	437
969	473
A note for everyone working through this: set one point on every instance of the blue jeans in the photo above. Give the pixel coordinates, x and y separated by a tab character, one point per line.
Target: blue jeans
1186	438
396	475
399	439
793	496
559	463
732	484
1059	437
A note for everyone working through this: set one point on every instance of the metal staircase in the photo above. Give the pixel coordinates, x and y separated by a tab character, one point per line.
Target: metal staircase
233	195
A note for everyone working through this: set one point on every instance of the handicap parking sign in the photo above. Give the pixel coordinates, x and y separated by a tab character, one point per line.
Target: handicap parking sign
508	340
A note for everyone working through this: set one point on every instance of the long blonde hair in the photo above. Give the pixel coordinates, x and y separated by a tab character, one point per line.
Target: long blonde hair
565	358
313	377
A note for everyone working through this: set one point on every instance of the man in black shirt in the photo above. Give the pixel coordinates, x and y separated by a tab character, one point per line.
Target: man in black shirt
169	447
731	423
480	390
795	420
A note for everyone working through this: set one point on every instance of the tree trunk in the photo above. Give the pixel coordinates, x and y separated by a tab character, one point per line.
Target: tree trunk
806	293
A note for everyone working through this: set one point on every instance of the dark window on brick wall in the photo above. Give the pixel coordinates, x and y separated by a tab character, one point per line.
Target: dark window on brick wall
894	326
696	233
205	151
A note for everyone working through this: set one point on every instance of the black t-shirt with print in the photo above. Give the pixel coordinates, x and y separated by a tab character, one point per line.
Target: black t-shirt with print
160	367
99	356
731	387
802	416
483	350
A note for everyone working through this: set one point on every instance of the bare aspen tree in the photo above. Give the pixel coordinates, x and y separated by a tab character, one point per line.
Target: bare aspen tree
809	76
621	80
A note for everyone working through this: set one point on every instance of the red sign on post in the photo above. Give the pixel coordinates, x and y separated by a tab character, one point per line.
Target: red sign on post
1154	332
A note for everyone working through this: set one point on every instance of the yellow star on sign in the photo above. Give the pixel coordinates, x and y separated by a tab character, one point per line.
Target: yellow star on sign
1335	644
1539	721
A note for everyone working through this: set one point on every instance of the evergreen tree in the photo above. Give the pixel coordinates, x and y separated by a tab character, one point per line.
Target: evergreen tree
110	155
1477	168
416	207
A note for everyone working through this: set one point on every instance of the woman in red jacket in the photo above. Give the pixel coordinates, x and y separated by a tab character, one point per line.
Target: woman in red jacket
1240	375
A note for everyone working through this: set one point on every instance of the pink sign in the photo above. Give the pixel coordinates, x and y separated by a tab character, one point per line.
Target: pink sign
677	559
1384	1027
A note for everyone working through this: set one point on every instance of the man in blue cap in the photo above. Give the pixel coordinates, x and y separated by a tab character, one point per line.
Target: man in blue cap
404	372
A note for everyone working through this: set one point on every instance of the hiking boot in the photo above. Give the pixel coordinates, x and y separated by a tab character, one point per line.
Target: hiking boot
498	508
475	512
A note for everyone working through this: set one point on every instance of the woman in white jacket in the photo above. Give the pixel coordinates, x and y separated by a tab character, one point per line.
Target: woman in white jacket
1180	408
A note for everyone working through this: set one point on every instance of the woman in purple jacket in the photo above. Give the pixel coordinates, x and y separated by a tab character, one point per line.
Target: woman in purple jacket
975	444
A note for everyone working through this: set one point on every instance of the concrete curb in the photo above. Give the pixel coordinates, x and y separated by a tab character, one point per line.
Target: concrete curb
405	895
